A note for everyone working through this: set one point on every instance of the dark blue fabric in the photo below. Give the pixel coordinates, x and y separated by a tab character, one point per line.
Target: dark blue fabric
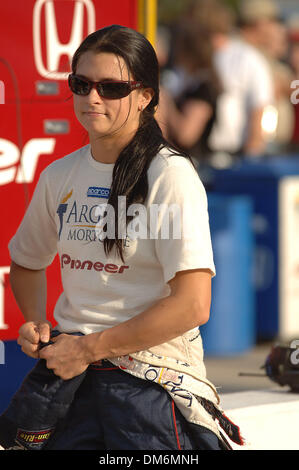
104	408
40	403
114	410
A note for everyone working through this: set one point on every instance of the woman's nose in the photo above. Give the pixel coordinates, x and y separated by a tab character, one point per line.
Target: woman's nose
93	96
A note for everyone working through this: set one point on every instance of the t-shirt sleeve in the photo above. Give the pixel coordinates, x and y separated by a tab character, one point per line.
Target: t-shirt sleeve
34	245
182	232
261	92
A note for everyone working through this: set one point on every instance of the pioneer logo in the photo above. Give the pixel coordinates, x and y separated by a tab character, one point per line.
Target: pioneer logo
88	265
48	64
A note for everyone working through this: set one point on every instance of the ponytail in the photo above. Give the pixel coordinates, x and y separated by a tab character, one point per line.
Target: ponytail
129	177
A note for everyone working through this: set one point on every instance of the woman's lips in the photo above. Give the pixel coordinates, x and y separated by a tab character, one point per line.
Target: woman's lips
94	113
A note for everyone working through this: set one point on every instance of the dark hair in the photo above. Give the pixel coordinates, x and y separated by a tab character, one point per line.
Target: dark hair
129	177
193	47
215	16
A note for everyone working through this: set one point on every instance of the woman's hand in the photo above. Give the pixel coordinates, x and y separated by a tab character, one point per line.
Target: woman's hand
31	334
67	357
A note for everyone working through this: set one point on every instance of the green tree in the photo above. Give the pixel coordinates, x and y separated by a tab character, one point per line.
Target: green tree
170	10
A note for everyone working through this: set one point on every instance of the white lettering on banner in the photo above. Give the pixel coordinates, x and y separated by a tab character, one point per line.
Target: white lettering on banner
31	152
3	270
54	48
10	170
2	92
9	158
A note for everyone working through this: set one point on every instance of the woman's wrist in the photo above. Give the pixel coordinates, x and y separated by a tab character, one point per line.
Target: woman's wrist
91	347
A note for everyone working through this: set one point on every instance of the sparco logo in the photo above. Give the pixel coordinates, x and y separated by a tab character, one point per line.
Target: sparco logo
94	191
54	49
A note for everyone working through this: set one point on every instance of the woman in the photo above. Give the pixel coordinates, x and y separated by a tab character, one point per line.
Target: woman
137	301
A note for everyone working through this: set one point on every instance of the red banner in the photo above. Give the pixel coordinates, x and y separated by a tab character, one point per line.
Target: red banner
37	123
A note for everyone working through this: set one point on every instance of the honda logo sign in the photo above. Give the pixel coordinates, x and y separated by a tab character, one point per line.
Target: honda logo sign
48	68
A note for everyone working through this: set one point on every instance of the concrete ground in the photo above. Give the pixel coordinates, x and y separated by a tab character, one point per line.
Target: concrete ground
266	413
223	372
267	419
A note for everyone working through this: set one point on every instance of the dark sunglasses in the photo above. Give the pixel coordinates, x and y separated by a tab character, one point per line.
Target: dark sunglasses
111	90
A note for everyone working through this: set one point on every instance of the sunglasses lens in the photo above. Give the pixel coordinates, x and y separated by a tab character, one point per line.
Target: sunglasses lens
114	90
109	90
79	86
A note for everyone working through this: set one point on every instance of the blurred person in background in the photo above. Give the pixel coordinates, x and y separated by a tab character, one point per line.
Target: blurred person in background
162	46
247	85
189	94
256	19
262	27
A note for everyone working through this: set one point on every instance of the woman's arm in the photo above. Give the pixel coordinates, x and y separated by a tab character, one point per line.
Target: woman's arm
255	143
187	125
187	306
30	291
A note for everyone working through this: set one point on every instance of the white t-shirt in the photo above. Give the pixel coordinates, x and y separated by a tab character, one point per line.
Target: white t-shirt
248	84
99	291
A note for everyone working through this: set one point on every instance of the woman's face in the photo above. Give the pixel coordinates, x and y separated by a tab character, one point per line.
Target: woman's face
105	117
